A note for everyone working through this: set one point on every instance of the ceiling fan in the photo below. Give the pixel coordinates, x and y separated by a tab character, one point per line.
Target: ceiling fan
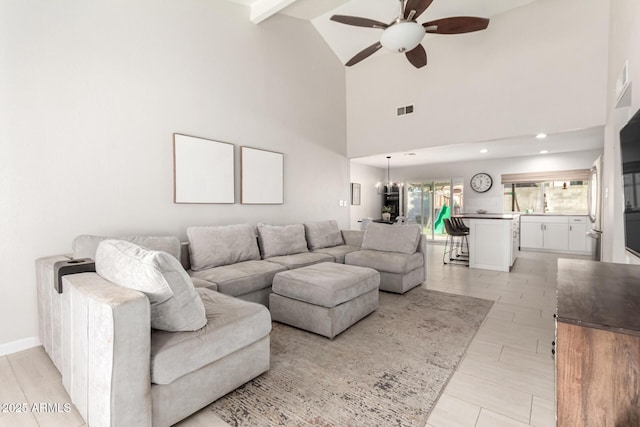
404	34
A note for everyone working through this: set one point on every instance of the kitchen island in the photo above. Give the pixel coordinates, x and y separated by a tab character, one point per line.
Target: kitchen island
493	240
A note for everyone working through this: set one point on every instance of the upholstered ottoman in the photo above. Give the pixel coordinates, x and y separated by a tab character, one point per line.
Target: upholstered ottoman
324	298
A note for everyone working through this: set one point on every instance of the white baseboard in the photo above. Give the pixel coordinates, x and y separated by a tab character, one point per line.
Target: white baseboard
18	345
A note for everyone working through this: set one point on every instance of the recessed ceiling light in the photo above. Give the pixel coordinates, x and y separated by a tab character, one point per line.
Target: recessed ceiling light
541	135
484	150
409	154
544	151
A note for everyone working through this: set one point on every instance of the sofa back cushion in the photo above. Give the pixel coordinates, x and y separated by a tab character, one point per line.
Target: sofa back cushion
214	246
175	304
382	237
86	245
278	240
323	234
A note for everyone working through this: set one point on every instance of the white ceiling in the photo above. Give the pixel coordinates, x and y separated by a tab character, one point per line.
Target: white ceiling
346	41
579	140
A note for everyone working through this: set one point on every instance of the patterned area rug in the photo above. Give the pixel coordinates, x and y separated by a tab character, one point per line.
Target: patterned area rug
386	370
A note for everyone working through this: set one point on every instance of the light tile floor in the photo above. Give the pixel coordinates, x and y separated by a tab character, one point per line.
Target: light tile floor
505	379
507	375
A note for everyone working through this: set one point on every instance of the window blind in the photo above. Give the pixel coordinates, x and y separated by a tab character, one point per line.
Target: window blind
569	175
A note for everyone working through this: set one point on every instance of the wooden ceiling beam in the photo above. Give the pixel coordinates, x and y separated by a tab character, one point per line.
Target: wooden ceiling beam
263	9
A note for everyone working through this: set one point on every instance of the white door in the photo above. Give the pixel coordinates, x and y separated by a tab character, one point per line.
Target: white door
578	238
531	235
556	236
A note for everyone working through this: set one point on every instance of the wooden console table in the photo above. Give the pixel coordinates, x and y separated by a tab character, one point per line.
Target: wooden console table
598	344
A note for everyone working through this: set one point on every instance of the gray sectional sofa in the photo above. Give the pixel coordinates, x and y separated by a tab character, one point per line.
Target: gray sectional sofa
237	262
152	349
149	339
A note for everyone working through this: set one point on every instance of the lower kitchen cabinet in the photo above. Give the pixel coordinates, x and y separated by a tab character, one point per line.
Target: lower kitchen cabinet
578	240
554	233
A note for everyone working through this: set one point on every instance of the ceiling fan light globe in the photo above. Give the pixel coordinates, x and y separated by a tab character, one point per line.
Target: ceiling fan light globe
402	37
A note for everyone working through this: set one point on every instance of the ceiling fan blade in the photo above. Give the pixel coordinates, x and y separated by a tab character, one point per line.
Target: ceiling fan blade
359	22
363	54
456	25
417	56
419	6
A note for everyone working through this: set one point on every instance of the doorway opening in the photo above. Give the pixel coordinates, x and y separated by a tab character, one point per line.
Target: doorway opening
430	201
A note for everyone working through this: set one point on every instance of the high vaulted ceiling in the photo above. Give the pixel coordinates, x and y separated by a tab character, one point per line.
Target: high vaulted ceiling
346	41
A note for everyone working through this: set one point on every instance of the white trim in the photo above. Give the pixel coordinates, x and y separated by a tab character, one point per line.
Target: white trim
18	345
263	9
622	81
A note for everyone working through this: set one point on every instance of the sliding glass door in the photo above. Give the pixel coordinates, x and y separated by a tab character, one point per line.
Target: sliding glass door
431	201
420	206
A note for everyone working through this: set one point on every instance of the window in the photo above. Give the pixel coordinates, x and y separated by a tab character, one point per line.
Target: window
548	192
547	197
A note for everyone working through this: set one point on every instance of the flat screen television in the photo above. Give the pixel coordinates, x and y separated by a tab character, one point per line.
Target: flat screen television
630	153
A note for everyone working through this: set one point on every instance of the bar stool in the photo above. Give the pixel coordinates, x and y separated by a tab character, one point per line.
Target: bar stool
452	247
458	224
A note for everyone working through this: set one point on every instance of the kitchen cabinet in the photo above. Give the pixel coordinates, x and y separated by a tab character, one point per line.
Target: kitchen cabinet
531	235
391	198
578	240
597	347
554	233
492	240
544	232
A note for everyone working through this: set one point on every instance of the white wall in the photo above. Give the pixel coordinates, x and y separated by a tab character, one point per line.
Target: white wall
492	200
371	201
92	93
624	45
539	67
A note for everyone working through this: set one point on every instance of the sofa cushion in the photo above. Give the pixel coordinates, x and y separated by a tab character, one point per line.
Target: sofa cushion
338	252
276	240
221	245
382	237
301	260
232	324
327	284
241	278
86	245
175	304
389	262
323	234
201	283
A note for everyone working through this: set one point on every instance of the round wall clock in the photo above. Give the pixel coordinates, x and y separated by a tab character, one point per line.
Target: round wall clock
481	182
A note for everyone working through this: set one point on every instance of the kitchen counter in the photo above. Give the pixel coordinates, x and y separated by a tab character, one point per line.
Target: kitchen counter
493	240
553	214
487	216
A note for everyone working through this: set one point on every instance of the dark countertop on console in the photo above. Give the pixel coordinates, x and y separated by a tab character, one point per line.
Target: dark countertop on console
599	295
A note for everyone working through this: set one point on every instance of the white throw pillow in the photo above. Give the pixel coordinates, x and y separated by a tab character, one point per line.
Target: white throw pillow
175	304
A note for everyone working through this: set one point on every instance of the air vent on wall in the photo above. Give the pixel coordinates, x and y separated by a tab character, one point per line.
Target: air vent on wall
402	111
